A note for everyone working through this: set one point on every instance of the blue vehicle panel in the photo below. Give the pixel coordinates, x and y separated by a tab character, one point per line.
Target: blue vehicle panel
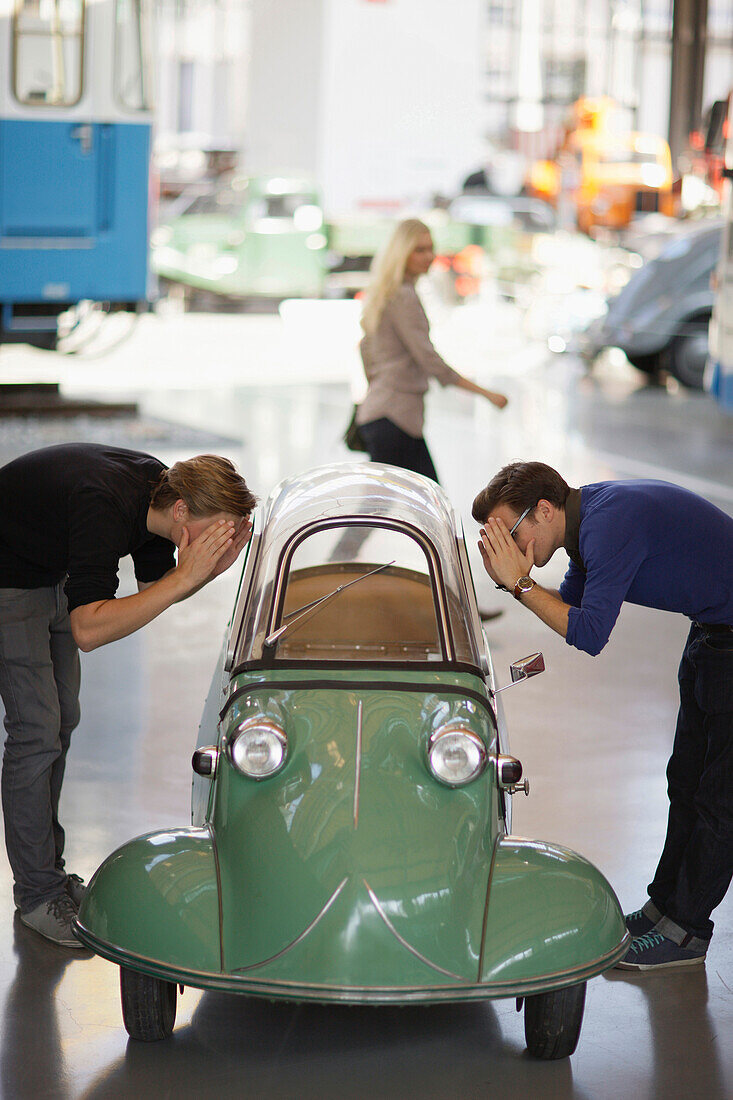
75	128
73	211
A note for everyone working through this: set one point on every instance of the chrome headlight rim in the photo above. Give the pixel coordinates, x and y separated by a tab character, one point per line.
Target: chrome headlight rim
248	726
476	743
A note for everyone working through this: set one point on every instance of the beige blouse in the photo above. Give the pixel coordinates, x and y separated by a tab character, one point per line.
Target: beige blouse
399	361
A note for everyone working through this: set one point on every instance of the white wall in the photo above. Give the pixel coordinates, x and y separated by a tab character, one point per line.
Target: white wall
654	83
379	102
284	93
213	36
718	78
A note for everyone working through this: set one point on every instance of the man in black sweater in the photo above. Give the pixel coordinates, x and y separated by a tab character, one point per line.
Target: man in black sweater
68	514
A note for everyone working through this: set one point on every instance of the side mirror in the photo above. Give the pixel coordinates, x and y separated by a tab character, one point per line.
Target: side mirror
524	669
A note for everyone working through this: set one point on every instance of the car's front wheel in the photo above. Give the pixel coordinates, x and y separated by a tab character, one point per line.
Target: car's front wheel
687	354
552	1021
148	1005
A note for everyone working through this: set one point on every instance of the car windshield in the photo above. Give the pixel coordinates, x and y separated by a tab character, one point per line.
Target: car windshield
298	617
389	616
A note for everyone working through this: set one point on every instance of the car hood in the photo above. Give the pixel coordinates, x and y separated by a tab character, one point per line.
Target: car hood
354	864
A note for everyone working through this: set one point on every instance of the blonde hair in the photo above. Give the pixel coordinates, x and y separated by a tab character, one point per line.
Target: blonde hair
388	271
208	484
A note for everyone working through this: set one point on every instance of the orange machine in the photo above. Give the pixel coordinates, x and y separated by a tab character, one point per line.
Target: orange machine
607	175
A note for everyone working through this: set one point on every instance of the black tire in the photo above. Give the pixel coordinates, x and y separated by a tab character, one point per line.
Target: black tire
148	1005
649	364
552	1021
687	354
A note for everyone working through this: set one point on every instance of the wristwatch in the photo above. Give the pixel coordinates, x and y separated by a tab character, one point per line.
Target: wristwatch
522	587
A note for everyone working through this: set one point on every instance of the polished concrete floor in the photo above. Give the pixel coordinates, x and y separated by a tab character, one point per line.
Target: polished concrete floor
593	734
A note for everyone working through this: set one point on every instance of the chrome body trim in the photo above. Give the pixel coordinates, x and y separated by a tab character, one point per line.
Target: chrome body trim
300	991
397	936
357	775
479	637
236	625
301	937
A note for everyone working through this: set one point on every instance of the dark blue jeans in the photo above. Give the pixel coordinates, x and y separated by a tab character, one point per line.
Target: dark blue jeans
696	865
39	685
385	442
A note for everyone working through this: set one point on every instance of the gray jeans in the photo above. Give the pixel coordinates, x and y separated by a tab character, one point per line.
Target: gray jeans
39	685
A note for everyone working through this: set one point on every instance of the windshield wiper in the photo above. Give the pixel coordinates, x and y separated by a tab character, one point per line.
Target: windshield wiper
308	610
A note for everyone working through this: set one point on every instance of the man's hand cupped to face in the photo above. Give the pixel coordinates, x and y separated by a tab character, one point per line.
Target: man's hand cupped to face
503	560
203	555
242	535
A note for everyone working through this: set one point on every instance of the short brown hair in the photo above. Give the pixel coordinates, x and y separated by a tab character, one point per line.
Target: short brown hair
208	484
521	485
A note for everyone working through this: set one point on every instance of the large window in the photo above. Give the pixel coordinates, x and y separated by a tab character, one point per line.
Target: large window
48	52
386	616
132	55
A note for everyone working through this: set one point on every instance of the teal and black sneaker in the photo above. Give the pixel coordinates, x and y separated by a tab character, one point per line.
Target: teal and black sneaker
638	923
654	951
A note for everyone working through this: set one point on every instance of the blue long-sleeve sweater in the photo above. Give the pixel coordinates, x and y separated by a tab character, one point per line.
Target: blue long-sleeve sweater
649	543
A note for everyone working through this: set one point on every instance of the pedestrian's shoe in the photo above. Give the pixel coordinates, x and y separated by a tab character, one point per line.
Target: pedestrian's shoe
53	919
638	923
655	952
75	888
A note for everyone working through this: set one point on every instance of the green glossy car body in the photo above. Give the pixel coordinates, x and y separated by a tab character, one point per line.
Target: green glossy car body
354	873
248	238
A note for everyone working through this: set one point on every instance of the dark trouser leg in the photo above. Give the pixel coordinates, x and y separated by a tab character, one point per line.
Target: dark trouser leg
67	674
386	442
696	865
683	775
39	677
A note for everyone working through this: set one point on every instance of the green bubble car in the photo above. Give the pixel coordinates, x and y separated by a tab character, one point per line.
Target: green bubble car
351	812
245	238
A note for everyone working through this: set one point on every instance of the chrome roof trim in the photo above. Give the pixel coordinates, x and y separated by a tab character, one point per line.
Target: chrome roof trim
244	583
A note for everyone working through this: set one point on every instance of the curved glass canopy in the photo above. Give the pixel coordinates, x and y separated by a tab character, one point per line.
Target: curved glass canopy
357	562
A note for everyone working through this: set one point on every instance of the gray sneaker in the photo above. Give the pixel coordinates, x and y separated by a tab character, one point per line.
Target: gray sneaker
53	919
75	888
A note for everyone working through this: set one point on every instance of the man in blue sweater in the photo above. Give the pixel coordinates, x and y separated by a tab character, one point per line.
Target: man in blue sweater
654	544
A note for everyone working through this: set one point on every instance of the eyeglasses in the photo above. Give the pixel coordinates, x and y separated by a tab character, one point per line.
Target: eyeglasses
523	515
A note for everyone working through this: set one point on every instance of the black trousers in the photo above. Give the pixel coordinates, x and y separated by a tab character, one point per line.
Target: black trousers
385	442
696	865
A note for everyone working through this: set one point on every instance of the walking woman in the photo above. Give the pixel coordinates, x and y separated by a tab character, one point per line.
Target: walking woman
399	358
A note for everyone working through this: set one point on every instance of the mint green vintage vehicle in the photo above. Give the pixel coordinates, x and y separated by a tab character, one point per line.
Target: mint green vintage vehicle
351	812
248	237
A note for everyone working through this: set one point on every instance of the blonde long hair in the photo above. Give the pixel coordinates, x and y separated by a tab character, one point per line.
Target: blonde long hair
388	271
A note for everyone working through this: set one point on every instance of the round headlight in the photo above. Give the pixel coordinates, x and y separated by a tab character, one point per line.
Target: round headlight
456	756
258	748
